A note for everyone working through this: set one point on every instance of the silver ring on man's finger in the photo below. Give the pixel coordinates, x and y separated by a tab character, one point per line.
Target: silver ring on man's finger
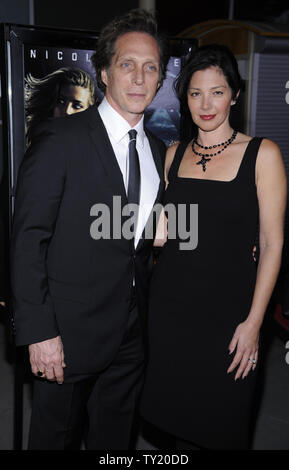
252	360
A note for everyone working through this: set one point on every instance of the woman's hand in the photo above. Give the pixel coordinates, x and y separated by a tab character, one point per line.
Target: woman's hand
162	230
245	342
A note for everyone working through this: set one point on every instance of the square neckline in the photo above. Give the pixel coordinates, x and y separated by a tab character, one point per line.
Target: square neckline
217	181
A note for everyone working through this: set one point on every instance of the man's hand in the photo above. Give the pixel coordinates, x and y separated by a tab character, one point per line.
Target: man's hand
2	304
48	357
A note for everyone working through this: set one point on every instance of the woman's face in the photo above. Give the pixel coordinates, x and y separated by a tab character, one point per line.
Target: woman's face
209	98
72	99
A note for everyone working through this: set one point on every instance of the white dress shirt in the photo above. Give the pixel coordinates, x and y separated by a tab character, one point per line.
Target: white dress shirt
117	128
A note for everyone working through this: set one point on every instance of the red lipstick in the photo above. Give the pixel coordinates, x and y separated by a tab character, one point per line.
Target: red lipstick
207	117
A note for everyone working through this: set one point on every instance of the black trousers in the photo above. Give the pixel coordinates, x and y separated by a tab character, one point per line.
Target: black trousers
108	399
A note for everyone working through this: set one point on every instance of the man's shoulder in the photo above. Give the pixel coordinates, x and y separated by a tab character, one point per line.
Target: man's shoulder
156	140
67	125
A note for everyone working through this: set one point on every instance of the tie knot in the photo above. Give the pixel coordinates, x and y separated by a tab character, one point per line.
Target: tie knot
132	134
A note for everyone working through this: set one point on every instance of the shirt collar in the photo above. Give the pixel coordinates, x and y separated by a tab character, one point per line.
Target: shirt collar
117	127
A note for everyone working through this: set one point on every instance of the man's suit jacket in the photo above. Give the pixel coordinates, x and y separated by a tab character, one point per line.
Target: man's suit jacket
64	281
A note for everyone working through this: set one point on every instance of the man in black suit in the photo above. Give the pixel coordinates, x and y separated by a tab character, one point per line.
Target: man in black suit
79	298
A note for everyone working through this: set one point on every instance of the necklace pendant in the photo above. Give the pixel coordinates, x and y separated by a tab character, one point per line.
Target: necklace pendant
203	162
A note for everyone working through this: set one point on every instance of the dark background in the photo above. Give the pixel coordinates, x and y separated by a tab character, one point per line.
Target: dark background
189	12
92	14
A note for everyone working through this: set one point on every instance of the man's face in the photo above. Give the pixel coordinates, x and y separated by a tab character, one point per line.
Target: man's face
133	76
72	99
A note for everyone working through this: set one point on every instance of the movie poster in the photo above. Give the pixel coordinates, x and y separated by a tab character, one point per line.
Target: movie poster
162	116
60	81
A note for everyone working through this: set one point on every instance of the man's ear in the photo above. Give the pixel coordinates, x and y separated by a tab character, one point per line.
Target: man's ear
104	76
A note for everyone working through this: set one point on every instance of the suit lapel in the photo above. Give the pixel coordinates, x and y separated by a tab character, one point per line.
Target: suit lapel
158	162
156	155
109	162
106	154
159	166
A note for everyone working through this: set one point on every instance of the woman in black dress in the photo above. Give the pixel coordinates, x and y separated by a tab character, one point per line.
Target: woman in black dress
207	302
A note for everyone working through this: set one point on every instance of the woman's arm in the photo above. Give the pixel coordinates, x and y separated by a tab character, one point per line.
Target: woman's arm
162	230
162	227
271	190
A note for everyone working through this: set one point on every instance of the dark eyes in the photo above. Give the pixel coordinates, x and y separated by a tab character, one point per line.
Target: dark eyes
195	94
63	102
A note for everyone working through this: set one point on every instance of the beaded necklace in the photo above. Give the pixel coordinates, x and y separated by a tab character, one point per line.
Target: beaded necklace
205	156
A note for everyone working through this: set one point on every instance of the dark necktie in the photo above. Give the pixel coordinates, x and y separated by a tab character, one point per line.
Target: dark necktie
133	190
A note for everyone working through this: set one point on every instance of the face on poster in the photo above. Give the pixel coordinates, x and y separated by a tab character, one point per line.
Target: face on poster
61	81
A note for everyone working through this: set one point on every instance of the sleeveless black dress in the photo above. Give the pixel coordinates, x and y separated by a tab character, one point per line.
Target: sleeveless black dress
197	299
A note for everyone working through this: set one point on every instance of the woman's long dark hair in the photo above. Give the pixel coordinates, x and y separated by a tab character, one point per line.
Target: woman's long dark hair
202	58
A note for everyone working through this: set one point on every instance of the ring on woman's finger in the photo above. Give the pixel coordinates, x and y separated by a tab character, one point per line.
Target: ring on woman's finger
40	374
252	360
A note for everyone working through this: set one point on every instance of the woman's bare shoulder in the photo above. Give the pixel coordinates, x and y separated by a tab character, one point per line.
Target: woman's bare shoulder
243	138
269	153
266	146
171	150
270	164
269	146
